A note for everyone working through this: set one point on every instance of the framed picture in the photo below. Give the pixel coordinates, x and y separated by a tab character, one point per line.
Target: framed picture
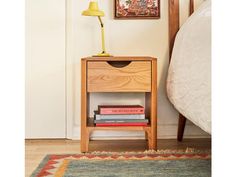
137	9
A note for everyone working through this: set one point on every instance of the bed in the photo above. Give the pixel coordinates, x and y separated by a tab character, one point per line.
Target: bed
189	74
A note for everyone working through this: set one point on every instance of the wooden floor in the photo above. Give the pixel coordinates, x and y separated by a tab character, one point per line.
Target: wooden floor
35	150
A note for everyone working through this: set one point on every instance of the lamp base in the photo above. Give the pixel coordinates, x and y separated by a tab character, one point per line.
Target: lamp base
102	55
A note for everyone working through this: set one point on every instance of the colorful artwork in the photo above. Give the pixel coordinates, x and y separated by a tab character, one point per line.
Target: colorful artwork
137	8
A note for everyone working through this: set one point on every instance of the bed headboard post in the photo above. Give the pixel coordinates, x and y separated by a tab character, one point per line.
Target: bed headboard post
191	7
173	29
173	23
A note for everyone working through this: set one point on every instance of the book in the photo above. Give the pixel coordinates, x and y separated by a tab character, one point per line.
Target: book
121	124
122	121
117	116
120	109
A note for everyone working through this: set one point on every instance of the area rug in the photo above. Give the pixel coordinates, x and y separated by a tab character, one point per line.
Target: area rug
162	163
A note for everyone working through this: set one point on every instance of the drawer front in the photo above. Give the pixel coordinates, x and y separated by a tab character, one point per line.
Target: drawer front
114	76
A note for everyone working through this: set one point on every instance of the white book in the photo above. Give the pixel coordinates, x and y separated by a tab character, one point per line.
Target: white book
118	116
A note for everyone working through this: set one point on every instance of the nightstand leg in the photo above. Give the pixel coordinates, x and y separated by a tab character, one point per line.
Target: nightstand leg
152	141
153	132
146	136
84	143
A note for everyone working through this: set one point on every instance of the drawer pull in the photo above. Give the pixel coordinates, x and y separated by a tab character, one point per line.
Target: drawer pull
119	64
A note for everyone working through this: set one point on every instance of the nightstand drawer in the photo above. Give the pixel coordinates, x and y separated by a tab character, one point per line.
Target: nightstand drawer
119	76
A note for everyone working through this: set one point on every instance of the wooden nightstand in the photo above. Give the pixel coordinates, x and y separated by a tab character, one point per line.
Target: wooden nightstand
119	74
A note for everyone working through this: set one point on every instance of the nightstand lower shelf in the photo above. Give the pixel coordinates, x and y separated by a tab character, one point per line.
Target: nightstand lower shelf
149	136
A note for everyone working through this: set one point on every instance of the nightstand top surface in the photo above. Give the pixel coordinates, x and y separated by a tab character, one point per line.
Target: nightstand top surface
120	58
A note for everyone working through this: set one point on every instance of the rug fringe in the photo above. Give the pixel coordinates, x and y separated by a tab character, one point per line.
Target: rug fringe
160	151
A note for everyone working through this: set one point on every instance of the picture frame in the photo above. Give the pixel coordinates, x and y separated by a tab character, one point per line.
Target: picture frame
137	9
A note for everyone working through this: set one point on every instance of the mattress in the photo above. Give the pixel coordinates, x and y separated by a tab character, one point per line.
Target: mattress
189	74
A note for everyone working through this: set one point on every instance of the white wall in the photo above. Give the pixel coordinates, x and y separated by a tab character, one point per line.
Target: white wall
123	37
45	69
57	34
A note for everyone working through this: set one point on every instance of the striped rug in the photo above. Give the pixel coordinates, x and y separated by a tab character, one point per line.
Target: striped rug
161	163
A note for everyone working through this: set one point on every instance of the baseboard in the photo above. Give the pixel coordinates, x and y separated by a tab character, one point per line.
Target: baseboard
164	132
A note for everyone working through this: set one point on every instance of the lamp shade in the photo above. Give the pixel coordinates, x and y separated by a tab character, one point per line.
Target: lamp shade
93	10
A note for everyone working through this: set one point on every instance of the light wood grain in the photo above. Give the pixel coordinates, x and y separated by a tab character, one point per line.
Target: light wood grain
119	58
84	107
135	77
119	74
153	108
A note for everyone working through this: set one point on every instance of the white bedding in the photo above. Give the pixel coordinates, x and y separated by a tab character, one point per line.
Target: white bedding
189	75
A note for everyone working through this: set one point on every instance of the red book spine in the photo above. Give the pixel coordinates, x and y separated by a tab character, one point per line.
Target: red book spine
121	124
121	110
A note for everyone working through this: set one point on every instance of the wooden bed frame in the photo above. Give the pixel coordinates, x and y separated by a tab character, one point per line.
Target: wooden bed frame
173	29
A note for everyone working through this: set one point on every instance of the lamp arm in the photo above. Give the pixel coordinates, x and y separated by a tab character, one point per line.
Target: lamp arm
100	20
102	29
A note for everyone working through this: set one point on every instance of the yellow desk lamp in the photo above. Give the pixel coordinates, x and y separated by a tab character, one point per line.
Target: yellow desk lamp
93	10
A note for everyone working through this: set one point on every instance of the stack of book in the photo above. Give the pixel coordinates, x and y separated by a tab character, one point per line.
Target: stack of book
120	115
